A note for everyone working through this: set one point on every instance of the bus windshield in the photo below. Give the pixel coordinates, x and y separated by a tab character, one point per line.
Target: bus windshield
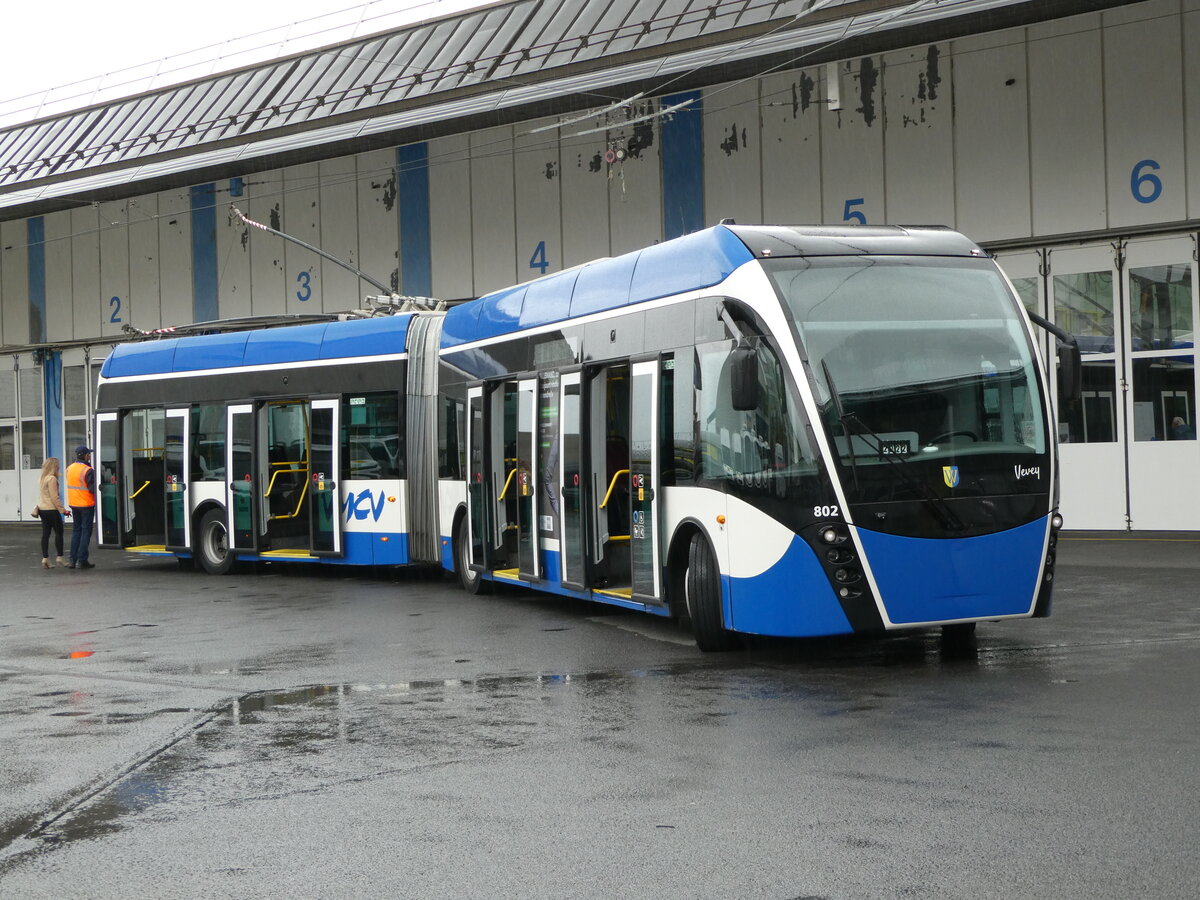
919	360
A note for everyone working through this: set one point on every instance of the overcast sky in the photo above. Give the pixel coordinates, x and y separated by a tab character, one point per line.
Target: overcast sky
53	43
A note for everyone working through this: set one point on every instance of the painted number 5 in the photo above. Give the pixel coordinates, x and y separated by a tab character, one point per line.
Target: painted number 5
1146	186
850	214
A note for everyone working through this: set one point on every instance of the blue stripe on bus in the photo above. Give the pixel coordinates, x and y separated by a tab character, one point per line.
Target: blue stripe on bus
35	230
683	166
412	189
793	598
928	580
690	263
204	253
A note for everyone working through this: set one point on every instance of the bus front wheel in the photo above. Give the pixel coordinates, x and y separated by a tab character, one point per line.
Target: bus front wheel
471	580
212	544
702	587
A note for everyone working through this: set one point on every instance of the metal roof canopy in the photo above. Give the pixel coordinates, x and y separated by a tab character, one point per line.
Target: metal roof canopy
493	65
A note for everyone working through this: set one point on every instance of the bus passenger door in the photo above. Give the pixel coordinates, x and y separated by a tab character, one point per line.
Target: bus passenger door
609	479
571	477
143	444
324	510
644	489
241	481
108	528
177	478
480	513
526	480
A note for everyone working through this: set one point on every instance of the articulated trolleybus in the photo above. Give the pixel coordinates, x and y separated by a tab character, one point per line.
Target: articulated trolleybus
773	430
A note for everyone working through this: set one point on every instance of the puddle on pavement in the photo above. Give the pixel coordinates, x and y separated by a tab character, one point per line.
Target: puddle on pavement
267	745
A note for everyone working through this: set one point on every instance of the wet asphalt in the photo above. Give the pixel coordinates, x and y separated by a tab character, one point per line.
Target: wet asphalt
332	733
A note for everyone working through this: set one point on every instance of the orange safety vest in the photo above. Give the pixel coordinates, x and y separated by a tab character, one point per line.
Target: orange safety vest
77	491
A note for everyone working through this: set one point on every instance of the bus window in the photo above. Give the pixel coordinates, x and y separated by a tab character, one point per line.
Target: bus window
452	448
371	436
208	443
763	452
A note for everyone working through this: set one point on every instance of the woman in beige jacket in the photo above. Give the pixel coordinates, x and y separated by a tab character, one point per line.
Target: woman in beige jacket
51	510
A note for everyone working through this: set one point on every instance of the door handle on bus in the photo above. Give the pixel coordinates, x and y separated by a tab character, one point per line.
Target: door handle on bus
612	485
139	490
507	482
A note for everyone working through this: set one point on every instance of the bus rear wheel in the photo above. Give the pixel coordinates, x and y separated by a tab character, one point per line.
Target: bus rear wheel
471	581
702	588
212	544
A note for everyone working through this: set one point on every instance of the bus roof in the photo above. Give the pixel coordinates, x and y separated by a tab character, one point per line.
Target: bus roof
692	262
268	346
766	241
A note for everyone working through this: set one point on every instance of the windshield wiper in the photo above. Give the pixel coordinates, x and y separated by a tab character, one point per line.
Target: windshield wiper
938	507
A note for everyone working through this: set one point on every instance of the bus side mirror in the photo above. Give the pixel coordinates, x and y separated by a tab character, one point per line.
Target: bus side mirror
1070	372
743	377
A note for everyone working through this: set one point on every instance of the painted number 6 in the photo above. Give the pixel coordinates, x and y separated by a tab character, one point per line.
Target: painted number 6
1145	186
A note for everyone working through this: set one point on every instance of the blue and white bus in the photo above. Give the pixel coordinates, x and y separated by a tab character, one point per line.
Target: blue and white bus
780	431
275	444
768	430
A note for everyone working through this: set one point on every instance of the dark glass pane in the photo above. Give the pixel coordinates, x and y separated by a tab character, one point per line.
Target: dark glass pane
323	485
208	443
8	449
1083	305
372	442
1164	398
74	392
1093	419
1160	304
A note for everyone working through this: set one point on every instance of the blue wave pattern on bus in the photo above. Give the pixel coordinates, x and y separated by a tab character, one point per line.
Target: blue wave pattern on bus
927	580
758	606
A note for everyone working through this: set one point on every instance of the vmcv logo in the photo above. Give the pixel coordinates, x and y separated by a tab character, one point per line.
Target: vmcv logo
362	505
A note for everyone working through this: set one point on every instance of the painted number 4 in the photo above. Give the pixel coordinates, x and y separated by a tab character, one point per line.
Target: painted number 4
538	260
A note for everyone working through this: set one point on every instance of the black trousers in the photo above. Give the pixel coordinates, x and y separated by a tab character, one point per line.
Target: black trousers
51	521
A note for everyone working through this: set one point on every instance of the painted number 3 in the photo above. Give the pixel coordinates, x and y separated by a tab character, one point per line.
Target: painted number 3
1145	186
304	279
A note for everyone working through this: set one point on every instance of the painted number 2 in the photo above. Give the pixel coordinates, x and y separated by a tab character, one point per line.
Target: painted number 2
115	305
304	279
1145	186
538	260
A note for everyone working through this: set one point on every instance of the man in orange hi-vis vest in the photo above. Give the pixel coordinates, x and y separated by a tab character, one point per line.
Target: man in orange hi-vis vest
81	497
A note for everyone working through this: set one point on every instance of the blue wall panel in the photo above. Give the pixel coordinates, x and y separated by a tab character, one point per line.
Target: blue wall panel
36	229
683	166
416	270
204	253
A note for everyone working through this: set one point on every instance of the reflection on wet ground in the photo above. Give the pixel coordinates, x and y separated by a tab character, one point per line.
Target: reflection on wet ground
316	738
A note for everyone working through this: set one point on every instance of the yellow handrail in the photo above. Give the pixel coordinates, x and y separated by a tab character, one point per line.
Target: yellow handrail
139	490
612	484
507	482
303	491
276	474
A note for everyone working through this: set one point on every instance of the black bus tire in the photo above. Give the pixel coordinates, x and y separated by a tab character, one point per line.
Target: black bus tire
703	587
472	582
212	544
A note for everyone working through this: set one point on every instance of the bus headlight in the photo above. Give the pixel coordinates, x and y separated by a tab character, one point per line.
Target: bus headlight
1056	521
829	535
